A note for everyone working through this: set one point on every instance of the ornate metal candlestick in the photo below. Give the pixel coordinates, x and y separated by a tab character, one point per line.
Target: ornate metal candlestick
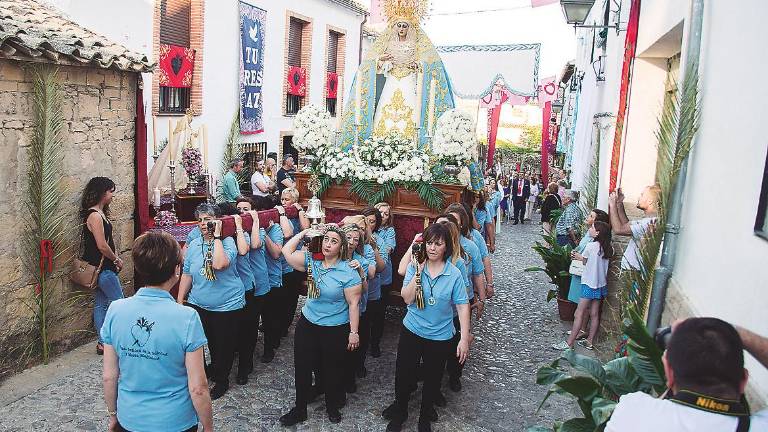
314	212
208	185
172	168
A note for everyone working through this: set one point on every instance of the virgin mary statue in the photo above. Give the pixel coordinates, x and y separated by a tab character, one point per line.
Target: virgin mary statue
401	86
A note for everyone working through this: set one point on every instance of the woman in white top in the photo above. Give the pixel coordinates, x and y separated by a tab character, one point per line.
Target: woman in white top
594	284
531	198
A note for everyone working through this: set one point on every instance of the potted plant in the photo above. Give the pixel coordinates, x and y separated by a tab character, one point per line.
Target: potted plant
557	260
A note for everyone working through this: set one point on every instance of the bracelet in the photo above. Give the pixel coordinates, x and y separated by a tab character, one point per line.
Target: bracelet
111	413
354	333
217	237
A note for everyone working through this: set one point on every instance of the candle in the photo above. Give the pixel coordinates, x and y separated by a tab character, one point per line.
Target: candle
156	197
339	103
419	96
431	106
205	147
154	135
358	97
170	141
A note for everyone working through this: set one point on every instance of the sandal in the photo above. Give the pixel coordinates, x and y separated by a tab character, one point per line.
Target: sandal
586	344
561	346
582	334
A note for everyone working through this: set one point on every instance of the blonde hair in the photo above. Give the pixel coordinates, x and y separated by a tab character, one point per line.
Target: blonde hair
361	223
457	251
292	192
348	229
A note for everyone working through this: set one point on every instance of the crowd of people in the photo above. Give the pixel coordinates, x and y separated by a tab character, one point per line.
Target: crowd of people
155	372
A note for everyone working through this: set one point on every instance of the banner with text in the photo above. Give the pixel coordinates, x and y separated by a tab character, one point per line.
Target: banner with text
252	21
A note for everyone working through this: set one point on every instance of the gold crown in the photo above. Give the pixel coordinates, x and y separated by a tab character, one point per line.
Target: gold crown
411	11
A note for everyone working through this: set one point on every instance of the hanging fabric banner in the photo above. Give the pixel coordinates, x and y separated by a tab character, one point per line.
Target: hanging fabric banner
332	84
546	140
252	21
630	45
176	66
547	91
297	81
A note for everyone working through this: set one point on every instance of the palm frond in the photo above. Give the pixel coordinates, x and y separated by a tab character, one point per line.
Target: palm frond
232	148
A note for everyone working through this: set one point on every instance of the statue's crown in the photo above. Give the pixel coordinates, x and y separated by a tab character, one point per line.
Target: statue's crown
411	11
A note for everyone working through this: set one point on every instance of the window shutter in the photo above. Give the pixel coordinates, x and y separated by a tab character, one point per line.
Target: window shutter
333	51
294	42
175	22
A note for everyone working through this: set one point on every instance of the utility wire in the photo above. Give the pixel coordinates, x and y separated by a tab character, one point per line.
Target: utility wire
479	11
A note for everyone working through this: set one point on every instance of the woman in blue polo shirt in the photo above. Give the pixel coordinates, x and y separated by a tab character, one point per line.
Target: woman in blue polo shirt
216	291
292	280
427	331
154	377
272	317
328	324
387	237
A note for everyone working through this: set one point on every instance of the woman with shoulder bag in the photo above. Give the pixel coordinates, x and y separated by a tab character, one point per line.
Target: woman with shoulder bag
99	248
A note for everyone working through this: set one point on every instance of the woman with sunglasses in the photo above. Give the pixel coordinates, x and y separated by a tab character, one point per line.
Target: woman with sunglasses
428	327
215	291
329	320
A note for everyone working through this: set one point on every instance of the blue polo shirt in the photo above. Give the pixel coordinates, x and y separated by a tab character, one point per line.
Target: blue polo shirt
259	266
244	268
493	204
374	285
482	218
388	239
365	264
435	322
479	240
274	266
331	308
462	266
227	292
475	264
151	334
195	233
296	229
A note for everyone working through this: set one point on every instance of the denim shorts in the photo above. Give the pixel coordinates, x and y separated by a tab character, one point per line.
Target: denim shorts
593	293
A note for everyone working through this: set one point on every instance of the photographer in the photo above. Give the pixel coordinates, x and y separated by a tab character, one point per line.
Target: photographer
215	291
704	365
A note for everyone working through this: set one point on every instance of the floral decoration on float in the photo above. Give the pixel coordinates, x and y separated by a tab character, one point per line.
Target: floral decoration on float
376	166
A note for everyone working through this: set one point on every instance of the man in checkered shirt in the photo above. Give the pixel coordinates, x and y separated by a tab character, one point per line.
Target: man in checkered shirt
569	221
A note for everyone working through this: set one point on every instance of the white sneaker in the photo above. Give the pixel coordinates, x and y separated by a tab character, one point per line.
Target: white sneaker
561	346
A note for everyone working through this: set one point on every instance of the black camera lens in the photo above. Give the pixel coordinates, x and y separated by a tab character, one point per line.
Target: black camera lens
210	226
662	336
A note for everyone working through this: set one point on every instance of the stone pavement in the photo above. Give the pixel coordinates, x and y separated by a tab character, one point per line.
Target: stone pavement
499	394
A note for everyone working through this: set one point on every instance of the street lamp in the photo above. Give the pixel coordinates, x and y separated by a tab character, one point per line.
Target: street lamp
576	11
557	106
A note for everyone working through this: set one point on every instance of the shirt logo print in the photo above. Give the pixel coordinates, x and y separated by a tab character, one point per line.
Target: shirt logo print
141	331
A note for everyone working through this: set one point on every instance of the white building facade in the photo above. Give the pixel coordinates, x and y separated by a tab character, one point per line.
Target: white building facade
722	255
214	33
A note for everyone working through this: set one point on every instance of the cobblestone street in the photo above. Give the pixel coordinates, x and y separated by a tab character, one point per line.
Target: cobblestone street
499	394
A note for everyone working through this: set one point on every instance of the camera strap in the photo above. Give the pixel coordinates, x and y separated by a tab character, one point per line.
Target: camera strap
729	407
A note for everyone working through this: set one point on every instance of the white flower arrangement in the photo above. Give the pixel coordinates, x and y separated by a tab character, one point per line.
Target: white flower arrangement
312	131
455	139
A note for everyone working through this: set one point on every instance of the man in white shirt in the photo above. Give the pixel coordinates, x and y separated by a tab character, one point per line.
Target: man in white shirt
637	229
704	365
261	185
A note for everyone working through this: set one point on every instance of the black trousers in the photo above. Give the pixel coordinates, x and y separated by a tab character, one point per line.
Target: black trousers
221	331
452	365
518	209
270	317
289	298
356	358
376	309
324	346
410	349
248	332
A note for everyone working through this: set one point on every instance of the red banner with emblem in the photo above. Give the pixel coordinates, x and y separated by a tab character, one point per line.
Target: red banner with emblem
332	84
177	65
630	45
297	81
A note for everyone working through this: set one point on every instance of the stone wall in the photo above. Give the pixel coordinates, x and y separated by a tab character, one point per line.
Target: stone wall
99	110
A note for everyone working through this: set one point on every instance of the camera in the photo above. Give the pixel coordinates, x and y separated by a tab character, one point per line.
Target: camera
211	226
418	250
662	336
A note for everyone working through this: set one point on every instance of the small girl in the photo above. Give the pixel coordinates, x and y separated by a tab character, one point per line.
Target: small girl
594	284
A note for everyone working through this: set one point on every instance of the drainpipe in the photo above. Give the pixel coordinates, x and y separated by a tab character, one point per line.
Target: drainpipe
672	232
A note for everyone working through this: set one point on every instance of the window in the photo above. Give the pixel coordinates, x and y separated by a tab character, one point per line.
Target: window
761	224
288	148
333	65
174	100
175	16
295	33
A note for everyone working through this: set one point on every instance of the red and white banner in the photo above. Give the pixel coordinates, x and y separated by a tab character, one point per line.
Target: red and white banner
297	81
176	66
537	3
547	90
630	45
546	135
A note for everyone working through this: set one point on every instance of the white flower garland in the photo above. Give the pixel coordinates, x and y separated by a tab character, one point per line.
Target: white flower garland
454	137
312	129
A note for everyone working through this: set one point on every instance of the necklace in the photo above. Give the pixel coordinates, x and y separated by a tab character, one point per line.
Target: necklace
432	282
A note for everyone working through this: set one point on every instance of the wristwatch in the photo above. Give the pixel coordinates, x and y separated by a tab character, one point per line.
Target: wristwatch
217	237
